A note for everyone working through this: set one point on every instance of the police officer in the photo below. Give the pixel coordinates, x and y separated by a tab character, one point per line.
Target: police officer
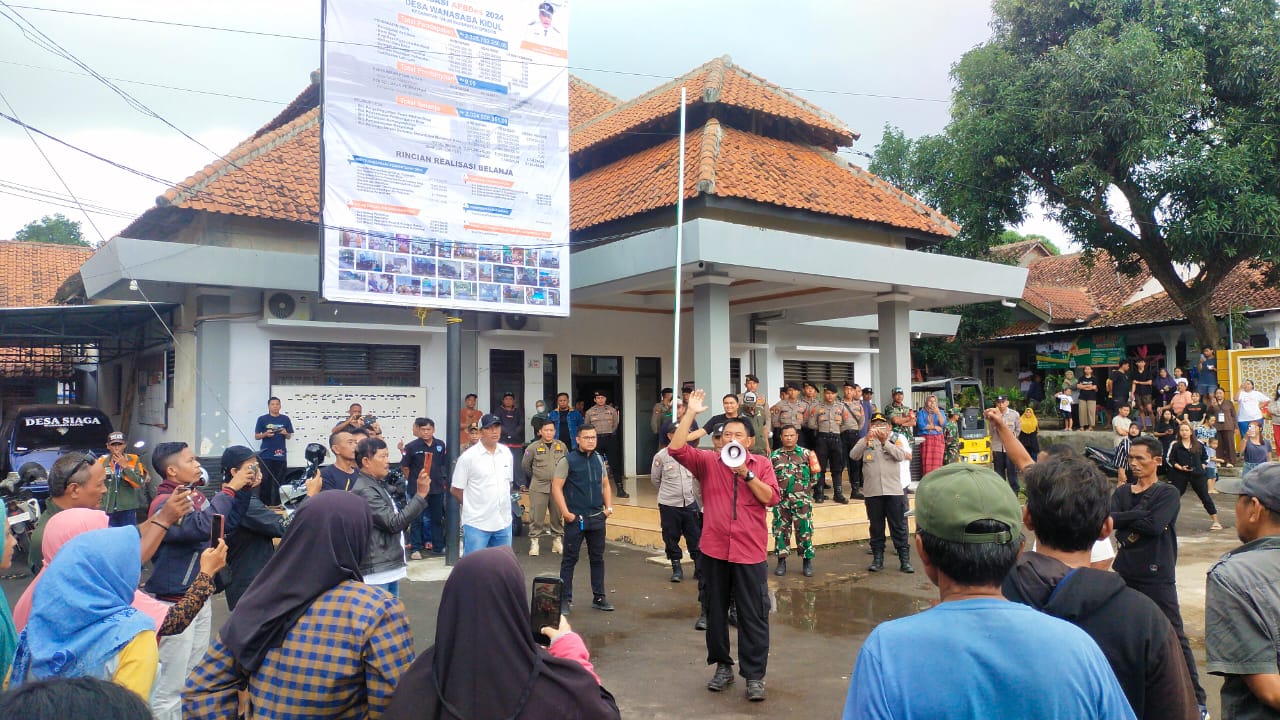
900	415
605	419
680	512
795	467
539	464
827	420
789	412
512	422
852	399
882	453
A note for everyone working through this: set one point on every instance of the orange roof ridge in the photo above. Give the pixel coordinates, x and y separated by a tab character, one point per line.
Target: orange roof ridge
897	192
708	157
593	89
825	115
240	155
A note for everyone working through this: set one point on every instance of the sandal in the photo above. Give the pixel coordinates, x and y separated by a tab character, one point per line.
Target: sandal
1216	526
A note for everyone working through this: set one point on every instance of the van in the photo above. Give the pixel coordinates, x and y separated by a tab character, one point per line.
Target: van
43	433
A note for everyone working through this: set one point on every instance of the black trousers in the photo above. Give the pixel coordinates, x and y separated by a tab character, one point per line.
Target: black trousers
1165	595
1004	468
830	451
747	587
1199	483
273	472
435	511
809	440
686	522
893	509
849	438
592	530
608	445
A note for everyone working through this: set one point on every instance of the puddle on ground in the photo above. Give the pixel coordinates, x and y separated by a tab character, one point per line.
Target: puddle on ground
600	640
841	609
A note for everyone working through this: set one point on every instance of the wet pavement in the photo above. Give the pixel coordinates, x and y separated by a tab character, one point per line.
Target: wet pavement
648	654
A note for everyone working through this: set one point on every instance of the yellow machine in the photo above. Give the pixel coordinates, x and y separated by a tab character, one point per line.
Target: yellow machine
964	393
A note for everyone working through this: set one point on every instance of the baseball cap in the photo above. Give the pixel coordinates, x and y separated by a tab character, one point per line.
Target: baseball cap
668	427
489	420
1263	483
954	496
718	429
1002	398
1180	381
879	417
236	454
115	437
752	378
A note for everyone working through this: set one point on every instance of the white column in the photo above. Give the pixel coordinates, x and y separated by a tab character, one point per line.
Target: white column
1273	334
1170	340
711	334
895	344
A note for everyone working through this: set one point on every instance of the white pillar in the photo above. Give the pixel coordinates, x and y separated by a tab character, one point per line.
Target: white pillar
892	310
711	334
1273	334
1170	340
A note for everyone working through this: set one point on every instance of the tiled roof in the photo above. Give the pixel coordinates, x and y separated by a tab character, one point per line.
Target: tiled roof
725	162
32	272
1060	304
32	363
1244	289
1015	250
1015	329
586	101
717	82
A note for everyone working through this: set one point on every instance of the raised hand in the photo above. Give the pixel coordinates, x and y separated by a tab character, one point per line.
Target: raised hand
697	402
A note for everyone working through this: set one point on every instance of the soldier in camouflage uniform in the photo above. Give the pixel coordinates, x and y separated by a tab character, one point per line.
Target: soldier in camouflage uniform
951	436
795	467
902	419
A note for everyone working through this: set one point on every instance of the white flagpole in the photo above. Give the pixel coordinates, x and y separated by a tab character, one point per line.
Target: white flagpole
675	352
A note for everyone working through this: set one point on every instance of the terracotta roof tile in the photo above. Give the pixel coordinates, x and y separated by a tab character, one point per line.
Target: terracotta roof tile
716	82
587	101
1015	329
1061	304
725	162
33	272
1244	288
30	363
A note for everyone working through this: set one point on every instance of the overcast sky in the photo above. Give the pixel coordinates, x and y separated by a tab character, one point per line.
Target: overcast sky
869	62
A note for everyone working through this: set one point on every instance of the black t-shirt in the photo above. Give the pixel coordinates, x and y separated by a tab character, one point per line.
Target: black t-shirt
1120	386
415	454
1088	394
1195	412
332	478
1145	530
1144	376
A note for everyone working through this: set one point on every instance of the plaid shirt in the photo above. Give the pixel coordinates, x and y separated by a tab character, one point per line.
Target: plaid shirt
341	660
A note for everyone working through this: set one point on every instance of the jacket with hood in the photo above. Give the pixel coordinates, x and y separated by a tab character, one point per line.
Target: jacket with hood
1132	632
177	562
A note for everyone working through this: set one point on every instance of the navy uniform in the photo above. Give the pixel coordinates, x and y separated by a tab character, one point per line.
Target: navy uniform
605	419
827	421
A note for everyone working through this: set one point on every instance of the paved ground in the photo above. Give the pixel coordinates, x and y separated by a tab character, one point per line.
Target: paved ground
649	656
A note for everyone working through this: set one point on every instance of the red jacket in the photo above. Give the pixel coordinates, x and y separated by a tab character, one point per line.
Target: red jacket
742	540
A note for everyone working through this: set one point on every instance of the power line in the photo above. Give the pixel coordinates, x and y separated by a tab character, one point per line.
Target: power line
144	83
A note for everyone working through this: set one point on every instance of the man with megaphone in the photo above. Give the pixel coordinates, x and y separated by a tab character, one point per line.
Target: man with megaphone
738	487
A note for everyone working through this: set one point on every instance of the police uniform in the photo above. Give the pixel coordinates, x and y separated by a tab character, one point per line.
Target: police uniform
789	412
827	421
679	512
795	469
849	438
808	437
886	499
539	464
605	419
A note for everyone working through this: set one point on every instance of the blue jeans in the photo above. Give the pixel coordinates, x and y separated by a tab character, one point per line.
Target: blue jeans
391	587
476	539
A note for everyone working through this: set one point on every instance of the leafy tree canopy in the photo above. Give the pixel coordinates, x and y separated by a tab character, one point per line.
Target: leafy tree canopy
56	229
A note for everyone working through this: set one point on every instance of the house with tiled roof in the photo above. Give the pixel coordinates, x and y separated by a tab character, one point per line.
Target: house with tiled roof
1080	300
797	264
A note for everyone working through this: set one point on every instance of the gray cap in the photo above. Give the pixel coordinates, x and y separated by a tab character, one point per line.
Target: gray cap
1262	482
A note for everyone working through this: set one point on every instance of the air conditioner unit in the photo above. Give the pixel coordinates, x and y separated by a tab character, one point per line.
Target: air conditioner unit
285	306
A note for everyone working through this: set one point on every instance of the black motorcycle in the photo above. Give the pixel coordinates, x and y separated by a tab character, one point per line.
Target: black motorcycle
21	508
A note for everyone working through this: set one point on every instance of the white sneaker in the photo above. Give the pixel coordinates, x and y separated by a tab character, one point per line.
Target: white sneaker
557	546
533	548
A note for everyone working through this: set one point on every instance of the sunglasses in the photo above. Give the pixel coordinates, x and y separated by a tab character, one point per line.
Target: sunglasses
87	461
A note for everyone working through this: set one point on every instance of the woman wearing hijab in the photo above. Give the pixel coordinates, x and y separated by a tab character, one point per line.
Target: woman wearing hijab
82	622
483	624
169	620
308	639
1029	431
8	635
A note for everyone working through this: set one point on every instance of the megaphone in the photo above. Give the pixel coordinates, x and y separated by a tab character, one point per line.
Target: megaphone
733	454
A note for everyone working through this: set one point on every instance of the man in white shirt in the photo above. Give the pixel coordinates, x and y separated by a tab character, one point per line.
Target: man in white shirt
482	485
1120	424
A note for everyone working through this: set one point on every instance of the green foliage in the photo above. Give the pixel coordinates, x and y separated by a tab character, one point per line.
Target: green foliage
1147	129
947	356
55	229
1008	237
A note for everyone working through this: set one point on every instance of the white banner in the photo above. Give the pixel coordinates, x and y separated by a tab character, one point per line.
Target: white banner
446	154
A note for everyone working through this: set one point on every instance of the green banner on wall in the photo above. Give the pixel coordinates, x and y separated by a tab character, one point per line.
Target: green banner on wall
1095	350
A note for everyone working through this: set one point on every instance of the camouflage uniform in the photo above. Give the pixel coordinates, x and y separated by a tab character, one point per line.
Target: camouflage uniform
794	469
951	433
896	410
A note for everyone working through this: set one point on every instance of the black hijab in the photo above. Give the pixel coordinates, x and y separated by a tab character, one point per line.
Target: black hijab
322	549
483	624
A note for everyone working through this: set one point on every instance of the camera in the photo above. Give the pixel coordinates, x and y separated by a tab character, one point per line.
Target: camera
370	420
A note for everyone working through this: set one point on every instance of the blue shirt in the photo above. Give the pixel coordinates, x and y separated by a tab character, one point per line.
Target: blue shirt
983	659
273	447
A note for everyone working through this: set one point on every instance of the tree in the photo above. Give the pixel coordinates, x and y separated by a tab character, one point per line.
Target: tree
1008	237
1147	129
56	229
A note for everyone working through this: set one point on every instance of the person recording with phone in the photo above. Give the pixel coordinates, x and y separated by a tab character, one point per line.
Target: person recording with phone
733	546
484	622
384	565
252	543
177	562
357	420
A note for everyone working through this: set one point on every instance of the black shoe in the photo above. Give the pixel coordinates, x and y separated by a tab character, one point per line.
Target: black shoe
621	494
701	624
841	499
677	572
808	568
819	498
601	603
733	615
877	561
904	562
857	494
722	679
755	690
782	566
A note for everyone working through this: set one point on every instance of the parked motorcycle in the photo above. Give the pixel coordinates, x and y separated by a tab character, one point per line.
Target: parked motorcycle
1104	458
22	509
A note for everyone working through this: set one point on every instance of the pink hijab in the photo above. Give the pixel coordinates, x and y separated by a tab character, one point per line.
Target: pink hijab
61	528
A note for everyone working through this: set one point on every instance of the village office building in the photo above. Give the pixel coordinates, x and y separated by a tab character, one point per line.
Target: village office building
797	266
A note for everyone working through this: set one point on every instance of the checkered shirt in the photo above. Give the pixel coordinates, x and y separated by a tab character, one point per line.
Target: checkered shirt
342	659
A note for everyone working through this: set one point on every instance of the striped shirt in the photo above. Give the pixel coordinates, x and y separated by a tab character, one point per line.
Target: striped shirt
342	659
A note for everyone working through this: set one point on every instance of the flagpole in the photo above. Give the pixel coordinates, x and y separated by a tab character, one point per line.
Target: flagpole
675	342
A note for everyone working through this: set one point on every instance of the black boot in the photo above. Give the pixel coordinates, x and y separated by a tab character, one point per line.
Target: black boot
622	490
904	561
856	493
701	623
808	568
677	572
782	566
877	561
840	498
